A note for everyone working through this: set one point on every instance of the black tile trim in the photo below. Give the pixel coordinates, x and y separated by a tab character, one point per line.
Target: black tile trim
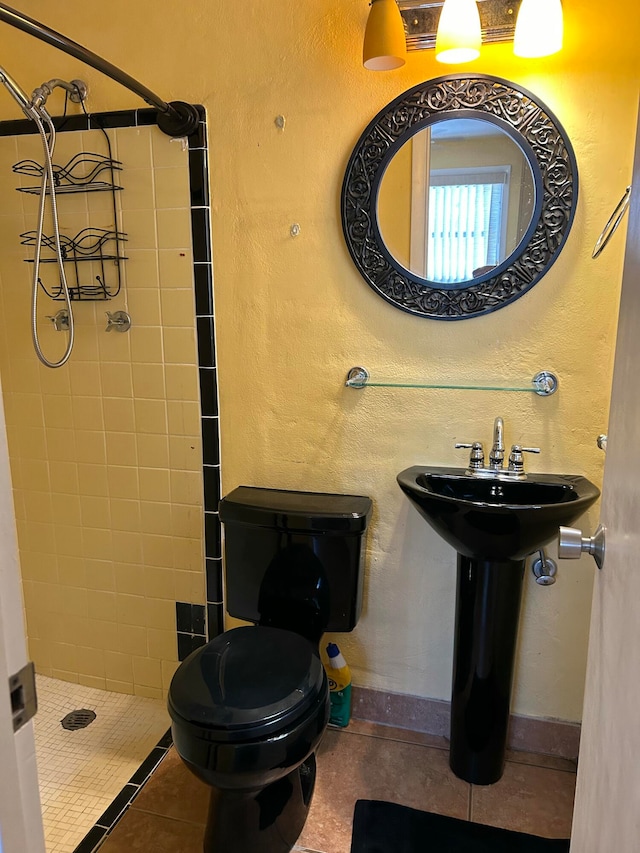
109	818
203	281
188	643
198	138
109	119
25	127
92	840
206	341
200	234
211	488
198	177
126	796
146	118
148	765
189	618
214	581
210	441
64	124
215	620
183	616
166	741
212	536
68	123
198	619
119	118
209	392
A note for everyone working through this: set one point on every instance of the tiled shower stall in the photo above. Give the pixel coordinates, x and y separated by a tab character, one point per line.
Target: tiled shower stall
115	457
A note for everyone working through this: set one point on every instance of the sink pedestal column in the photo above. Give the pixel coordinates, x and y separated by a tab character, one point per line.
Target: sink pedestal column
487	610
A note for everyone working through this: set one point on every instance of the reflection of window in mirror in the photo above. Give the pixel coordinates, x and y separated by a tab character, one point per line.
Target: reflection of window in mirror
456	200
467	222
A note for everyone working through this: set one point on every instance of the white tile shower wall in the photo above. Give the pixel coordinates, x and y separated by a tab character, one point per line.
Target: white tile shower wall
106	452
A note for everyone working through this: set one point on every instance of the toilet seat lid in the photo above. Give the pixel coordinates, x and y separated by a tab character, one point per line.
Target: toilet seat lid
247	682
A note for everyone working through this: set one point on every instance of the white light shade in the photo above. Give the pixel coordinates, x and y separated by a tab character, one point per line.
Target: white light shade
539	28
385	43
459	32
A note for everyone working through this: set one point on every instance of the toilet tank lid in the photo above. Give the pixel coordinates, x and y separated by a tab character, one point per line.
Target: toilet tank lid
293	510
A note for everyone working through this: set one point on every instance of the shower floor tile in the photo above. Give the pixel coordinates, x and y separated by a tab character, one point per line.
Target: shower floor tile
82	771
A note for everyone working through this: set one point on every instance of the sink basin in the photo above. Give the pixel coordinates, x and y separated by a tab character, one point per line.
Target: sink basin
493	519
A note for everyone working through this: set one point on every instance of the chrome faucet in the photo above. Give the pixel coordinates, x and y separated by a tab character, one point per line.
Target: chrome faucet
496	457
515	469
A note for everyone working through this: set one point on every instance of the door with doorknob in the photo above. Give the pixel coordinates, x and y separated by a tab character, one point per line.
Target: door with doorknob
607	808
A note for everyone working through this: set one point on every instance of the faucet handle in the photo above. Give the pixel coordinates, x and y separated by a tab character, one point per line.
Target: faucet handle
476	457
118	320
60	320
516	459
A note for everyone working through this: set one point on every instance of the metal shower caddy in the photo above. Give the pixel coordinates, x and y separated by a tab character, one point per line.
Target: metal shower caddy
86	172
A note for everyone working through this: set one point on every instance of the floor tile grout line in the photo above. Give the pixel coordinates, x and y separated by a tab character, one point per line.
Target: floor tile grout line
167	817
542	767
445	747
397	739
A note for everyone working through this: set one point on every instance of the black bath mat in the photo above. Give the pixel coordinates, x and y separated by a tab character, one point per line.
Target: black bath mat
388	828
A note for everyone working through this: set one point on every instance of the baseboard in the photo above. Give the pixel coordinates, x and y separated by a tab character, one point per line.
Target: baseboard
527	734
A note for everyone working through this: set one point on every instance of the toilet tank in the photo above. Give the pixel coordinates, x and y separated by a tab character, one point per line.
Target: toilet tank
295	559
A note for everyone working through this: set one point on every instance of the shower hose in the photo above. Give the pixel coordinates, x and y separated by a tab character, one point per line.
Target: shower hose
40	116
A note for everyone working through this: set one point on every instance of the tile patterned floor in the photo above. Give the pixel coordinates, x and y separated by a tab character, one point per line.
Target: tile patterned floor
81	772
364	761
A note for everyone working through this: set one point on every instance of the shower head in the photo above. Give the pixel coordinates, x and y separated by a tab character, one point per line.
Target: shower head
16	92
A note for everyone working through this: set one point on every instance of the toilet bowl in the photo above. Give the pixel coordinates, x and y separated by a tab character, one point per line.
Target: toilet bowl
250	707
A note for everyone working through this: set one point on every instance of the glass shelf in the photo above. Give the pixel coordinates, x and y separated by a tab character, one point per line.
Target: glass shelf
543	384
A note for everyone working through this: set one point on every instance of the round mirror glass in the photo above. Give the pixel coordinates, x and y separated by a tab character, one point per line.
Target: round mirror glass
456	200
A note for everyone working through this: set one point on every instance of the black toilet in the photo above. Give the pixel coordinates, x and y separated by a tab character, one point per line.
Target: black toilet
249	709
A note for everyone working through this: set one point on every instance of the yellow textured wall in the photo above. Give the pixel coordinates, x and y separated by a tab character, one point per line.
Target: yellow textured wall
105	451
293	314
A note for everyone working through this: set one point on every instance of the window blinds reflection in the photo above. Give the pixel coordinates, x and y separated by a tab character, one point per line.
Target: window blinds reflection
467	225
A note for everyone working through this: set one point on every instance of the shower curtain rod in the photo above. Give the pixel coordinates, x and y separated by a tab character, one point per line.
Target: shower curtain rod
175	119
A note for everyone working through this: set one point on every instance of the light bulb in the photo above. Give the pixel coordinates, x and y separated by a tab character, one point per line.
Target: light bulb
459	32
539	28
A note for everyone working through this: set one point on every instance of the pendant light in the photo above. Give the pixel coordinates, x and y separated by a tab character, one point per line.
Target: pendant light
385	45
459	32
539	28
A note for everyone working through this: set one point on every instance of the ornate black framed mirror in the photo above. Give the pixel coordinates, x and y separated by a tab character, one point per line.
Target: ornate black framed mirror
459	197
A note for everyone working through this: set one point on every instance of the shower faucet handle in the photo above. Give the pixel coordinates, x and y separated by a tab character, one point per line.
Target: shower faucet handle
118	320
60	320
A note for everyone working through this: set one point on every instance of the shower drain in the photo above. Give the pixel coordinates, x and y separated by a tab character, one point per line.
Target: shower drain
77	720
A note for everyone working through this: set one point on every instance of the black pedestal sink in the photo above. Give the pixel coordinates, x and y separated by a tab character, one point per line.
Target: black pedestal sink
494	523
